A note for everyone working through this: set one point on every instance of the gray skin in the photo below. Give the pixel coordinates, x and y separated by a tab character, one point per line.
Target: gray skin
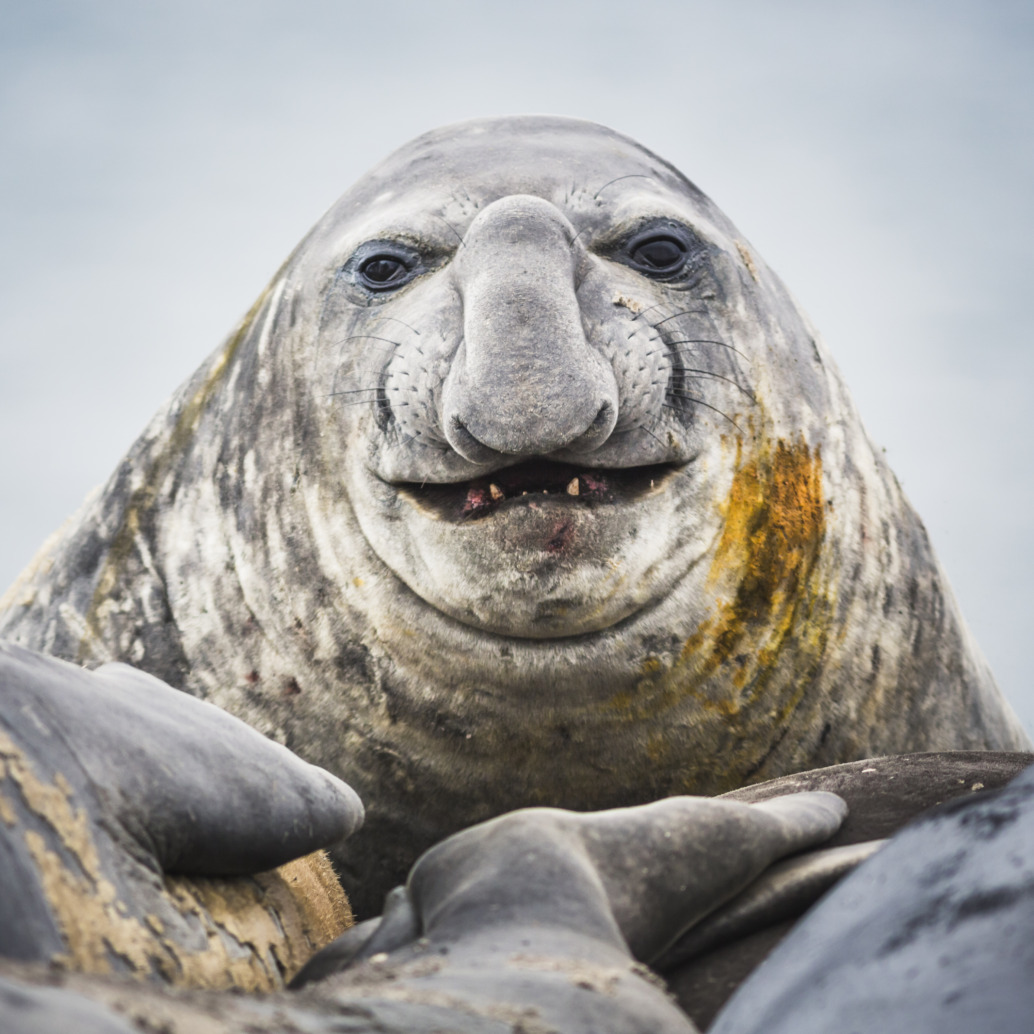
539	920
933	934
706	966
325	531
110	782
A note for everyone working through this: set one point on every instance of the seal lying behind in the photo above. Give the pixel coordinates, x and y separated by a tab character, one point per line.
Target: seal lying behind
127	809
540	919
524	482
923	937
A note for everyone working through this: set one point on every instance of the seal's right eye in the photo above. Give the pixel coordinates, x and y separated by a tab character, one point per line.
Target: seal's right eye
660	255
382	272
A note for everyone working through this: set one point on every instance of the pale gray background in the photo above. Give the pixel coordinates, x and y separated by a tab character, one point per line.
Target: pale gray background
160	160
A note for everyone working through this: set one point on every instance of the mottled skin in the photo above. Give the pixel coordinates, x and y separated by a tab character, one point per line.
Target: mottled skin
756	597
140	828
932	934
535	922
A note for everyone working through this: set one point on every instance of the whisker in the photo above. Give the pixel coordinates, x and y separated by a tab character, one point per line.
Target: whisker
459	236
362	402
643	427
629	176
675	316
426	445
649	308
397	320
578	234
383	340
718	376
704	341
370	337
350	391
701	402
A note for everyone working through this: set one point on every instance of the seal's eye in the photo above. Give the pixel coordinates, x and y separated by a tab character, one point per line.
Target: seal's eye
658	255
383	271
663	249
380	267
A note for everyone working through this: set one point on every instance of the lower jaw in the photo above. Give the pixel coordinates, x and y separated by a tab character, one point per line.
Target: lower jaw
547	606
550	630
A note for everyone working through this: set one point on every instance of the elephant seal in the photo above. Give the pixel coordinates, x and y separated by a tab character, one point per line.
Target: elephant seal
147	834
883	795
932	934
524	482
111	781
541	920
537	920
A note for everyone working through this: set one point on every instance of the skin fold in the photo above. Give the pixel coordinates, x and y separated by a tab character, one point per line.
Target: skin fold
932	934
150	835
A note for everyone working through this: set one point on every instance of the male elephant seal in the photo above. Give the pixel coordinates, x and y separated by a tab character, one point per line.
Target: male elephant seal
524	482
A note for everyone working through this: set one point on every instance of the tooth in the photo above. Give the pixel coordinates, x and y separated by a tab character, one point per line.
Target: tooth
573	488
495	492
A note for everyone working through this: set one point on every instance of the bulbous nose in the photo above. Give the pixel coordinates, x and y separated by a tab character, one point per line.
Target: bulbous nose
525	381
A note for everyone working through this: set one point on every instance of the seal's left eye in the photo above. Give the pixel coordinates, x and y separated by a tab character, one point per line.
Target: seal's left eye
381	271
659	255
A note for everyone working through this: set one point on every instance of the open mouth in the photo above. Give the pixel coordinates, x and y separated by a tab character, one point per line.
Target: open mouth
538	481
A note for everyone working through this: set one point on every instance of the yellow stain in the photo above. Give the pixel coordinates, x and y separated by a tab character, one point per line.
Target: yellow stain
761	578
250	933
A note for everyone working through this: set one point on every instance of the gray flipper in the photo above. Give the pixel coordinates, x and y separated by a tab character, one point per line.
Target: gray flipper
109	781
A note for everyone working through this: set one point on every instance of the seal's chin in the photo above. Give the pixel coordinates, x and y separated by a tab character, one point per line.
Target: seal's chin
540	549
536	481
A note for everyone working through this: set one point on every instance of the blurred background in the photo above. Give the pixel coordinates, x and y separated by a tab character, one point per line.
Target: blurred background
161	159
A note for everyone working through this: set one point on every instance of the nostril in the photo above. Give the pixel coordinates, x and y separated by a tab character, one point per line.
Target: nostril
603	419
466	444
598	431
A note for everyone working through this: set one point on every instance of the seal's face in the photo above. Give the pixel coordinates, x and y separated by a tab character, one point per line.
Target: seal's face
535	344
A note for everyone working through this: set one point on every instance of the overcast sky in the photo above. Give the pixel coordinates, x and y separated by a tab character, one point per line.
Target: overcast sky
161	159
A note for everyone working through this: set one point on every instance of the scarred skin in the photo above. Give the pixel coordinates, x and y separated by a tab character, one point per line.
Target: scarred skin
755	598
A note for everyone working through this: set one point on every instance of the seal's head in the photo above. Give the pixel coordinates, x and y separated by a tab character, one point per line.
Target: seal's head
543	337
525	482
